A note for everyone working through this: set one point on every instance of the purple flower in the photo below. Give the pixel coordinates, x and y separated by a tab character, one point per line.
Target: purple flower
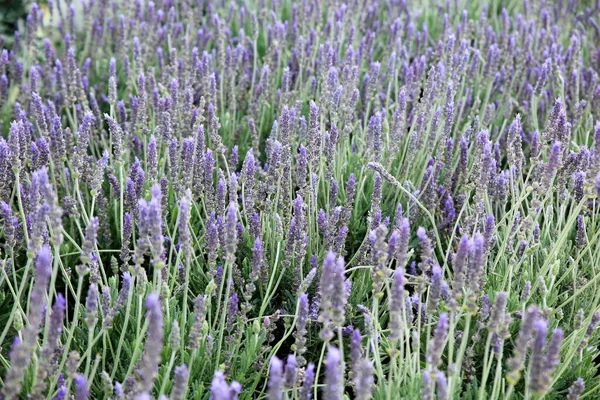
427	390
55	329
476	269
150	360
89	244
442	385
119	302
396	304
126	237
426	249
498	312
117	136
333	295
21	350
275	379
363	379
538	378
576	389
459	264
81	387
489	226
220	390
299	345
231	236
150	227
291	371
232	311
212	240
435	290
182	375
91	306
185	241
257	268
307	385
334	379
374	135
438	342
62	392
554	161
199	316
379	254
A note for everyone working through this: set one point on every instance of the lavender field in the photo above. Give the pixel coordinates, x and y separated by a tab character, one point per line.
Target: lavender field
300	200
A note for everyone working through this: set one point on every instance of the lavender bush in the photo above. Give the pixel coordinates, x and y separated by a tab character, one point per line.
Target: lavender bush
301	200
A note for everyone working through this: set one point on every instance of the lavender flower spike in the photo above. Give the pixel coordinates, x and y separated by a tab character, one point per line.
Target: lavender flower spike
81	387
150	360
438	342
220	390
307	385
333	295
334	379
21	351
576	389
182	375
363	380
396	304
276	379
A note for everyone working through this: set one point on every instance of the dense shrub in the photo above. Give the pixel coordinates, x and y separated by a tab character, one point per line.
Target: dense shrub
301	199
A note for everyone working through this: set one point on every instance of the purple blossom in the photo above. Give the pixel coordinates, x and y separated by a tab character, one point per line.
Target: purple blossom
21	350
220	390
576	389
334	370
438	342
307	384
333	295
396	304
81	387
150	360
276	380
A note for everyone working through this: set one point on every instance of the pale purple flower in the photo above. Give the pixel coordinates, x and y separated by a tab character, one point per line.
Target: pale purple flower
435	290
438	342
199	317
150	360
150	226
55	329
299	345
538	379
476	269
307	385
89	243
231	236
459	264
334	379
333	295
82	390
91	306
21	350
276	380
442	385
183	221
576	389
554	161
396	304
291	371
182	375
220	390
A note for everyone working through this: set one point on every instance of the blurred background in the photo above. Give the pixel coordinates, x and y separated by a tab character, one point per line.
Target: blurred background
11	11
14	12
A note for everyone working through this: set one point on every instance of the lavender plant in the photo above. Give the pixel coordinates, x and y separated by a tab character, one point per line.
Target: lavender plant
298	200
